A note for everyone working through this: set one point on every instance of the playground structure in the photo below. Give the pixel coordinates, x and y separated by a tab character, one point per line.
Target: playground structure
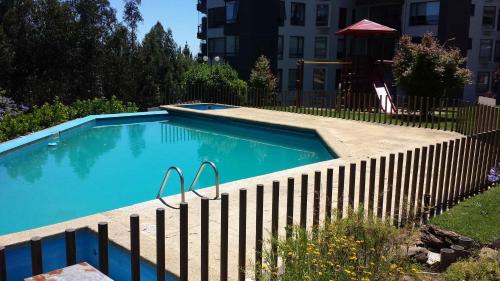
364	70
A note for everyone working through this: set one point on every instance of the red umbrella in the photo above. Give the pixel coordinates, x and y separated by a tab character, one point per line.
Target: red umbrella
366	28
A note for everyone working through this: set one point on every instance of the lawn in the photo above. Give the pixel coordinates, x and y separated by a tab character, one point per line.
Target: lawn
478	217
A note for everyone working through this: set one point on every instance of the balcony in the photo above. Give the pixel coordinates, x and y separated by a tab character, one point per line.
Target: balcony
201	6
202	29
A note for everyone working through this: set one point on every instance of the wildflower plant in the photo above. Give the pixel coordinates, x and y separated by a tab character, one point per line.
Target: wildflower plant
353	248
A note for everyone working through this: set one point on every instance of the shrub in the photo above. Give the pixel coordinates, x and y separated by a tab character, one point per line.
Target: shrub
429	68
261	76
354	248
47	115
473	270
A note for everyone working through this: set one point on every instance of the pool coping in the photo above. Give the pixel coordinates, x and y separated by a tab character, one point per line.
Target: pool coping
14	144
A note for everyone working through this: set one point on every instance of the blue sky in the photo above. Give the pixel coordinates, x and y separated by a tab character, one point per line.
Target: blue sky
179	15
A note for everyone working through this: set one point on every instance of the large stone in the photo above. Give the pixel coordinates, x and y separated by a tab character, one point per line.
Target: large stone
436	238
496	244
489	254
420	254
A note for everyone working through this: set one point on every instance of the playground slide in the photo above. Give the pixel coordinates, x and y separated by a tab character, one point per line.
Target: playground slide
385	97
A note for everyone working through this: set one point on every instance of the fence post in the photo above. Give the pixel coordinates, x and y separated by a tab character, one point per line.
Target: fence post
427	199
414	179
441	184
242	235
406	187
3	265
381	181
135	248
329	192
289	206
340	193
371	186
316	198
70	239
36	256
421	184
399	181
435	179
224	219
362	184
258	231
447	178
183	241
390	185
352	186
303	201
103	248
205	230
274	220
160	244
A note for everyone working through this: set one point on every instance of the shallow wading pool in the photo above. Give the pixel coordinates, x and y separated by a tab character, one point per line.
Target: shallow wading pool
100	163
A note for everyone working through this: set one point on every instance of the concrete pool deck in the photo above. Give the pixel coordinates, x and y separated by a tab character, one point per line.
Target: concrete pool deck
351	140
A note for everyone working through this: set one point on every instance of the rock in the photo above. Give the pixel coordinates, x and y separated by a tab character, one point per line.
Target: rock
436	238
433	258
489	254
466	242
419	254
496	244
448	256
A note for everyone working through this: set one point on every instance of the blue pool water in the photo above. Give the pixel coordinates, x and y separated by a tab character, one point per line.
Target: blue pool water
18	258
119	162
206	106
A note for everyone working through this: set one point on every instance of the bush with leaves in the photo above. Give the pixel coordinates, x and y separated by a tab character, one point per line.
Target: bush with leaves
9	107
354	248
262	77
429	68
481	269
47	115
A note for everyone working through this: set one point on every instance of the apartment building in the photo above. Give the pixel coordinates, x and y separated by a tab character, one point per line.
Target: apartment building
238	31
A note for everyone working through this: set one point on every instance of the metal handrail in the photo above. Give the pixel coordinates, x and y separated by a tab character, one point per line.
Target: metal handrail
164	183
200	170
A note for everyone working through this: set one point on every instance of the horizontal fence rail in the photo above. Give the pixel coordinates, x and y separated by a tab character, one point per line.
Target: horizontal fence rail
404	188
446	114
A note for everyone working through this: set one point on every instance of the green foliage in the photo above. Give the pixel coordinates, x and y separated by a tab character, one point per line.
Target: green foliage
218	76
428	68
79	50
261	76
477	217
354	248
473	270
47	115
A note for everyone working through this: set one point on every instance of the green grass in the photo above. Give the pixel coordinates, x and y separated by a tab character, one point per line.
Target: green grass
478	217
445	122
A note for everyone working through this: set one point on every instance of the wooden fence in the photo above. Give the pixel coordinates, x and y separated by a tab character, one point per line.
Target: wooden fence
407	187
447	114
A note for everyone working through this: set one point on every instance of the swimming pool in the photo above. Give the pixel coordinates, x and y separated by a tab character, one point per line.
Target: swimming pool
206	106
112	162
18	258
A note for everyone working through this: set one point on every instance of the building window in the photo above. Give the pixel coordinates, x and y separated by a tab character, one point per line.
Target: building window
280	47
232	8
232	45
282	13
216	46
483	81
298	15
296	47
216	17
489	15
497	51
321	47
340	48
424	13
280	79
319	79
322	14
292	77
342	18
485	49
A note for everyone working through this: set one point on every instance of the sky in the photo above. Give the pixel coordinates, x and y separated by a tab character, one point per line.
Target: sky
179	15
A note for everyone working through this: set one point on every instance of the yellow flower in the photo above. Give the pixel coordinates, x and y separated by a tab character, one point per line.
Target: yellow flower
393	266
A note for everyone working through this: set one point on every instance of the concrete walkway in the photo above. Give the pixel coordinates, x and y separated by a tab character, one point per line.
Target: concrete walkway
351	140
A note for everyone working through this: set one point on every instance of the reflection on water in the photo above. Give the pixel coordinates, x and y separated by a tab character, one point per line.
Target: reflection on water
97	169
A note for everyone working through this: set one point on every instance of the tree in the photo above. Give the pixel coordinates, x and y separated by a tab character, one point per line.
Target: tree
262	77
429	68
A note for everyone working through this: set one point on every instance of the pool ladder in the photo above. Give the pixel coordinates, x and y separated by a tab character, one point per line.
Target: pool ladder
196	178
